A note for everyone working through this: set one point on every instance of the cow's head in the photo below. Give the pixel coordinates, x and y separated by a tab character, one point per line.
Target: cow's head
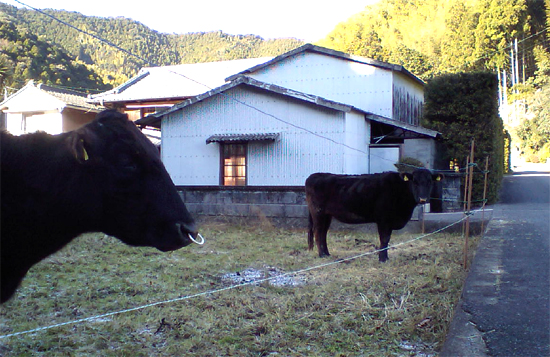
137	200
420	182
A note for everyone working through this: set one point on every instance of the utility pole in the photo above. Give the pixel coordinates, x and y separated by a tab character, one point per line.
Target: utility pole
516	62
512	65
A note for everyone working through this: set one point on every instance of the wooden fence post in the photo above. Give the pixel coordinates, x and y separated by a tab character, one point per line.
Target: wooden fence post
464	203
484	196
470	171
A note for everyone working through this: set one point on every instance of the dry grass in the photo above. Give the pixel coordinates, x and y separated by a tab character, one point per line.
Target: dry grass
354	308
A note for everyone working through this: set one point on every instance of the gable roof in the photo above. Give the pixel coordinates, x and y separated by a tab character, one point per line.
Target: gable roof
175	82
333	53
68	98
154	120
262	85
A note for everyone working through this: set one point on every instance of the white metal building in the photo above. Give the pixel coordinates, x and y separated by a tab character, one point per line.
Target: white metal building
309	110
300	134
282	137
246	147
380	88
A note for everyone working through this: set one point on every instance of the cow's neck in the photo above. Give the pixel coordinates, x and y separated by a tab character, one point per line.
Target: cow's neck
44	165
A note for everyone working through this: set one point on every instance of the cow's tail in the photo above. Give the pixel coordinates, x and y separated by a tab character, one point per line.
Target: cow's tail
310	231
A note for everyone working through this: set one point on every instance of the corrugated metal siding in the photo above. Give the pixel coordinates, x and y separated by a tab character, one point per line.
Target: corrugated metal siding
383	158
287	161
366	87
408	99
357	137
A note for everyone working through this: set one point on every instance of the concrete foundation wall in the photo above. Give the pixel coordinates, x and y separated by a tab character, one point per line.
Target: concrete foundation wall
451	194
261	202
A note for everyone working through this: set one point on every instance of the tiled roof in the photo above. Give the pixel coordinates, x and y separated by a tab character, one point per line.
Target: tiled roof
180	81
72	98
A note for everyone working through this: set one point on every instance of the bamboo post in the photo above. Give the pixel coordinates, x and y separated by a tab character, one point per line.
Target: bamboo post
423	218
470	170
484	196
465	193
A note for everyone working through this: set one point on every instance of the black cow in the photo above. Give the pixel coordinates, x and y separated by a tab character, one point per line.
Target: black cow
104	177
387	199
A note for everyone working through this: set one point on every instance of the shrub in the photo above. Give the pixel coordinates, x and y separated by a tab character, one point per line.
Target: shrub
463	107
408	164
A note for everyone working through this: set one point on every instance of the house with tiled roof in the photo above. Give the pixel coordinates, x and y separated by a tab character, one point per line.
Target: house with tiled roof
40	107
155	89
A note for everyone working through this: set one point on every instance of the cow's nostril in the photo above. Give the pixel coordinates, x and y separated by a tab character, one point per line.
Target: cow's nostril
188	232
187	227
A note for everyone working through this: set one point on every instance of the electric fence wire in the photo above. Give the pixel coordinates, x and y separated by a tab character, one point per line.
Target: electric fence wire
231	287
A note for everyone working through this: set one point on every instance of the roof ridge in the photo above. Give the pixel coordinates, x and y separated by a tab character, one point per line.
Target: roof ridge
52	88
329	52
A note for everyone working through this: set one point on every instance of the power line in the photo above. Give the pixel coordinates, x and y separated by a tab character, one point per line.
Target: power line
86	33
151	63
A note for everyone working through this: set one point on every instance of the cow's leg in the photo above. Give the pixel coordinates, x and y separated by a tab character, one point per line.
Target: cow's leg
384	231
323	224
310	231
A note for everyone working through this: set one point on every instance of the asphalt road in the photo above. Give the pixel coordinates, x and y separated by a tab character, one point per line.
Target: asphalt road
505	307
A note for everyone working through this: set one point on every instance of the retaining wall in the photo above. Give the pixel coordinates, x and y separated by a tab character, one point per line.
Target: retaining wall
248	201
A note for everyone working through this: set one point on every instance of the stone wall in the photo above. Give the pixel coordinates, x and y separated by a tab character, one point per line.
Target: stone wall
262	202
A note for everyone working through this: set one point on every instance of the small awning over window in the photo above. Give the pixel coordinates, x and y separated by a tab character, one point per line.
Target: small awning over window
224	138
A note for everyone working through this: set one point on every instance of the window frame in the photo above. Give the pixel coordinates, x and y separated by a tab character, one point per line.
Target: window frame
223	146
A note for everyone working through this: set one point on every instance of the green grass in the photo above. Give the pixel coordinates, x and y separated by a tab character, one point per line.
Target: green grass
355	308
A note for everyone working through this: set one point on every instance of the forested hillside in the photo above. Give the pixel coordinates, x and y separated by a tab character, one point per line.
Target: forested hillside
509	38
24	56
431	37
114	66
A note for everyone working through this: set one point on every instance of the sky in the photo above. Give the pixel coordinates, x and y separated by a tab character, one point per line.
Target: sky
308	20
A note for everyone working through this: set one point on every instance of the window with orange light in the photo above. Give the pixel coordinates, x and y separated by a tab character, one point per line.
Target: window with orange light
233	170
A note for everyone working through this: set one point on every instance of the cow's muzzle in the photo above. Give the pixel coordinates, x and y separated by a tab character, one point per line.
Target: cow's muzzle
189	233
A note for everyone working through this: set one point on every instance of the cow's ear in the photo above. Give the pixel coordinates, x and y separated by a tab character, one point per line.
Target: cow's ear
405	176
438	177
77	147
